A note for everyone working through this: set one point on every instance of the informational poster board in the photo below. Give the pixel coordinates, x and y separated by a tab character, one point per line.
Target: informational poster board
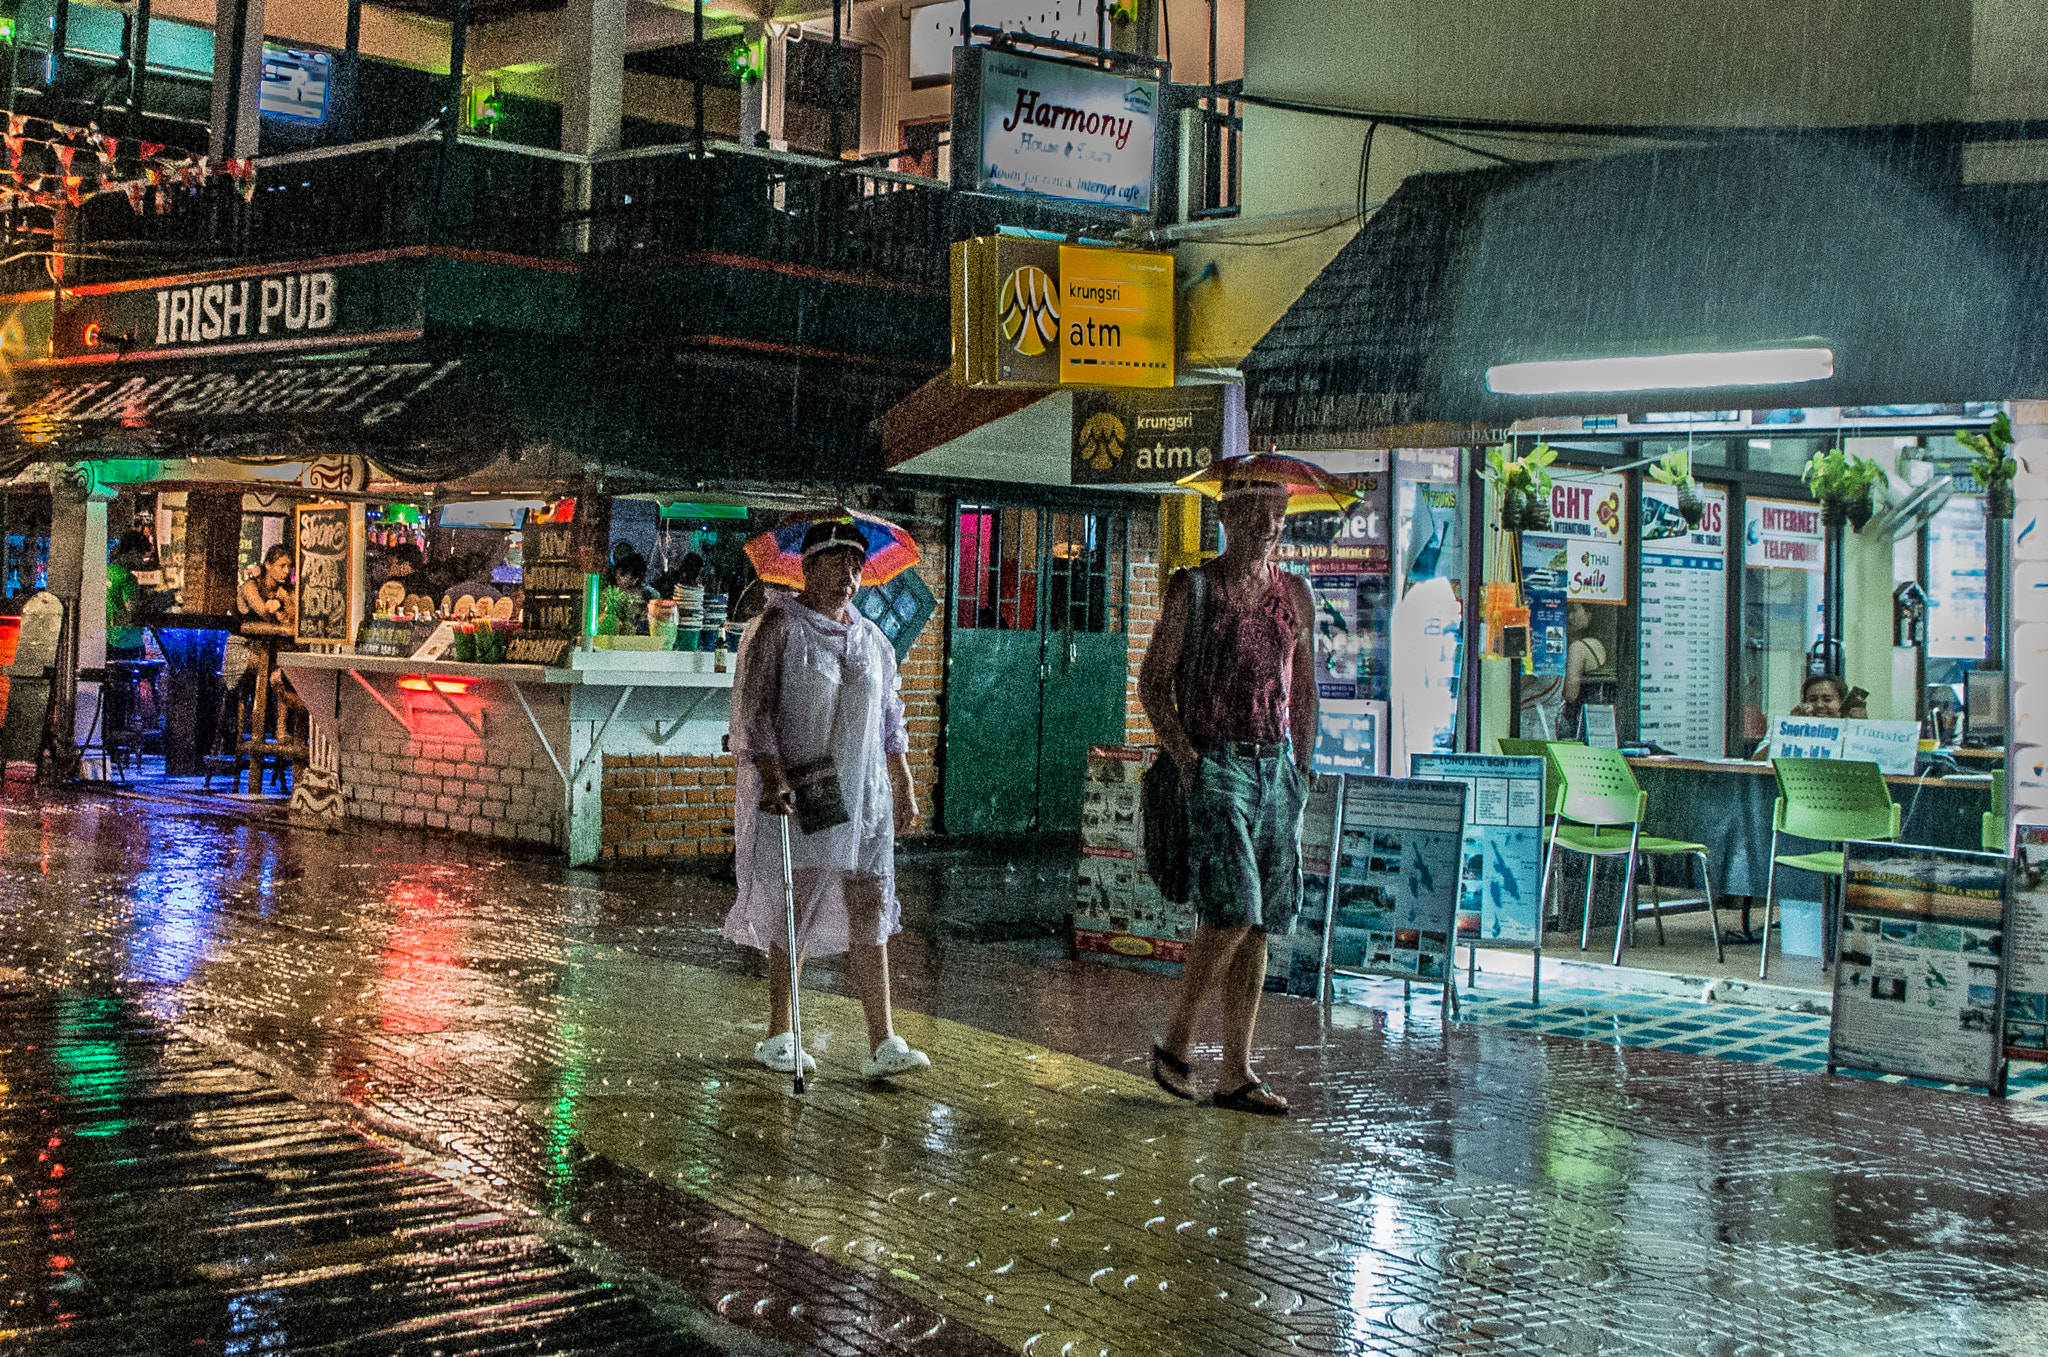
2026	949
1500	893
1920	974
1399	847
1119	913
1351	737
1684	652
326	580
1597	726
1894	746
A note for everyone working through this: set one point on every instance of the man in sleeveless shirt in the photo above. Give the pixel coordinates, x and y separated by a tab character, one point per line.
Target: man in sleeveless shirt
1242	736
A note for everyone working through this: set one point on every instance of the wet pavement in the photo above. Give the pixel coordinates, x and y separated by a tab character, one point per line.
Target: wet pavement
551	1068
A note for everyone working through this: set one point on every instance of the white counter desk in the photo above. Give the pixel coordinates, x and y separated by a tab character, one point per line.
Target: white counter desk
509	751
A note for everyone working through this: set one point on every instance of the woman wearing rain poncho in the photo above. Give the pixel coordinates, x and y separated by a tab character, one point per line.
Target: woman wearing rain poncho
817	729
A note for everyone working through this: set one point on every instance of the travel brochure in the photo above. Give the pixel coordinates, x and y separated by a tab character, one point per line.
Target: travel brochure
1919	978
1398	878
1500	882
2026	948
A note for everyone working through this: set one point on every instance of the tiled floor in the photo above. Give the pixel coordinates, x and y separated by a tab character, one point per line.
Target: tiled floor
577	1045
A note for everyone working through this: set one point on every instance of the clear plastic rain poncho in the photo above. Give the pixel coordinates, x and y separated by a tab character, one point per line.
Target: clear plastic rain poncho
828	687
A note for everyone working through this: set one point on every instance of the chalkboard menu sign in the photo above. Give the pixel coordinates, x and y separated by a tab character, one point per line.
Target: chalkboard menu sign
395	637
325	574
556	562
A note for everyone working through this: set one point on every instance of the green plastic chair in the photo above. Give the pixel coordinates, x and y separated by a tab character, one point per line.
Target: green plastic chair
1597	797
1994	819
1834	800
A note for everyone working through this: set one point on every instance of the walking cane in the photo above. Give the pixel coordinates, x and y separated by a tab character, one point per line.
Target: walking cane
796	1026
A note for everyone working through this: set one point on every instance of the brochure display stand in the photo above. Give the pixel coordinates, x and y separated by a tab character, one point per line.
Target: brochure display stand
1119	914
1500	874
1390	901
2026	948
1920	980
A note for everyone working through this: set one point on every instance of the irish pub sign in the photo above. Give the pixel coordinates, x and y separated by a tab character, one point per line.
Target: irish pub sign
1036	313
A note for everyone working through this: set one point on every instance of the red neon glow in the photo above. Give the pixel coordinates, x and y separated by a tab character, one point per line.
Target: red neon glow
414	683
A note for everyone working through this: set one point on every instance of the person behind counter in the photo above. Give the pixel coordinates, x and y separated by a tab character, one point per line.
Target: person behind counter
1821	695
125	596
622	607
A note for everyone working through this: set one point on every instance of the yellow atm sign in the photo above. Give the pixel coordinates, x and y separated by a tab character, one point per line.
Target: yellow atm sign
1039	314
1117	317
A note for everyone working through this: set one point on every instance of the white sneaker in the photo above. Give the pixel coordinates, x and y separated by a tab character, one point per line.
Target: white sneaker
893	1056
778	1053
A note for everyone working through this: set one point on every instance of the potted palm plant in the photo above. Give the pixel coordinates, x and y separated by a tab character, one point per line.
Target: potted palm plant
1675	469
1843	481
1523	484
1994	466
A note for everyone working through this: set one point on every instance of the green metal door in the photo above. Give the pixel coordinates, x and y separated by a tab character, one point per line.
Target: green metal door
1087	658
1036	664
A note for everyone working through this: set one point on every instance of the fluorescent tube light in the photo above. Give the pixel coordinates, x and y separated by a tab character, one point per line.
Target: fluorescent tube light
1662	372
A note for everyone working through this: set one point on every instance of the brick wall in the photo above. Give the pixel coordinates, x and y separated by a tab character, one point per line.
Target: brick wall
461	786
667	805
1147	590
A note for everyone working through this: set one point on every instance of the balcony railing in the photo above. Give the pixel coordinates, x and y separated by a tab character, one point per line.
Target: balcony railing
477	194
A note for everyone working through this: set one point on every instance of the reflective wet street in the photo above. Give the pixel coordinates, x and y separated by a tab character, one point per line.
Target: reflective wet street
273	1090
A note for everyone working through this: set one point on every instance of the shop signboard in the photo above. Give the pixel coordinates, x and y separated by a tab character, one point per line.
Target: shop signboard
559	560
358	398
1684	658
1154	436
1783	534
1054	129
1920	978
268	309
1036	313
392	637
326	555
1587	542
1351	736
1356	541
1501	878
1399	845
1119	913
1894	746
2026	948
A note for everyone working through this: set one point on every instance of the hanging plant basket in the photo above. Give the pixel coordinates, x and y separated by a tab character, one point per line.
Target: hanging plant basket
1844	484
1691	507
1995	466
1859	511
1834	512
1524	487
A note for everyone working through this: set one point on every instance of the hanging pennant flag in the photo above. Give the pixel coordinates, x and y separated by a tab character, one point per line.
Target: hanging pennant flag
17	124
133	188
14	145
64	154
245	179
72	184
150	150
109	148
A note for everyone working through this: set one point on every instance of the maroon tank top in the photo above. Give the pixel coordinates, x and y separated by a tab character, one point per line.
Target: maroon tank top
1246	660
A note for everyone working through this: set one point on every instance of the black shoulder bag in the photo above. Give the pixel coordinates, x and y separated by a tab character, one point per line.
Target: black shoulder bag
1165	801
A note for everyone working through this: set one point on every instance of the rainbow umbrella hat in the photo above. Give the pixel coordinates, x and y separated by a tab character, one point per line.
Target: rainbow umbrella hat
778	554
1310	489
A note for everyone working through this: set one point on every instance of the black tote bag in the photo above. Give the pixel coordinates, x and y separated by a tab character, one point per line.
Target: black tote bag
1164	800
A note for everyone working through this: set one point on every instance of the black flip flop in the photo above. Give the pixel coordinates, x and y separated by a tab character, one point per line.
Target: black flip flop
1256	1098
1163	1065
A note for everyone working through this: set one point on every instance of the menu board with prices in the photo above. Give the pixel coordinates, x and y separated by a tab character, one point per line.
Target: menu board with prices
1119	913
1920	978
559	558
392	637
1684	654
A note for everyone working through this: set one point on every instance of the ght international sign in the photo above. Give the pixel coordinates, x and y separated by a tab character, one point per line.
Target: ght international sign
1034	313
